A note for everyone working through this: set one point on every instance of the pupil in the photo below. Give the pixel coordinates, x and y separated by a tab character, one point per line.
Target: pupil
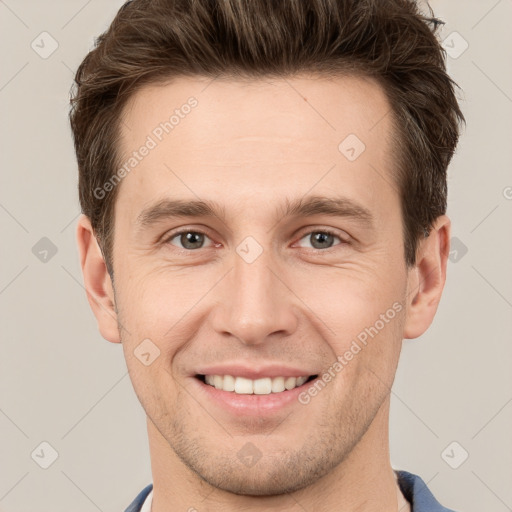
191	240
322	238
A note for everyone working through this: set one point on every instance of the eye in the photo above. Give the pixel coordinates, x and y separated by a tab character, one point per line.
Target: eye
188	239
321	239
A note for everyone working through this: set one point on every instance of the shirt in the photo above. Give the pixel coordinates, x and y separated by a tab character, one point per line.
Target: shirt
412	486
403	504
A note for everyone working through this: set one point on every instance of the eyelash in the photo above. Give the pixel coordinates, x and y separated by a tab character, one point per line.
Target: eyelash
325	231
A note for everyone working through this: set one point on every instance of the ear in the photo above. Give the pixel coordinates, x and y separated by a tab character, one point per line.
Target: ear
97	281
426	279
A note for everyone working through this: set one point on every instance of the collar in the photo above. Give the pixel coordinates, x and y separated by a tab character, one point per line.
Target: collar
413	488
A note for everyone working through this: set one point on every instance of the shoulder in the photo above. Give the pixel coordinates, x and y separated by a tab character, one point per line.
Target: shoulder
418	494
136	504
412	486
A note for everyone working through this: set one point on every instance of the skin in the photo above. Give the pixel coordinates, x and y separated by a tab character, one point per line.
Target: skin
249	146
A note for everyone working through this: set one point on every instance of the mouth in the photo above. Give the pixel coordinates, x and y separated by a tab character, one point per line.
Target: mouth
262	386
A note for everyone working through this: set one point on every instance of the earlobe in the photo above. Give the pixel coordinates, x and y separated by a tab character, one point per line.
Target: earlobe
97	281
427	278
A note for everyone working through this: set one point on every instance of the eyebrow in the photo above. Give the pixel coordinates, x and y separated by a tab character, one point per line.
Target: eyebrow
302	207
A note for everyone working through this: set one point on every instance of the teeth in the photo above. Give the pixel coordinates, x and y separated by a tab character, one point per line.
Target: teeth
264	386
301	380
290	382
218	381
242	386
229	383
278	384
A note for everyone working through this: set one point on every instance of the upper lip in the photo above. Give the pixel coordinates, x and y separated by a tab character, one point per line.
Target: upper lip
254	372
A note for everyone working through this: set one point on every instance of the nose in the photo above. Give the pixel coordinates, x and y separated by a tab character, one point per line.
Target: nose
255	303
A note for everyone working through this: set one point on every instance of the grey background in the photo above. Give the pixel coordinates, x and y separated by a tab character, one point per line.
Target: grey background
63	384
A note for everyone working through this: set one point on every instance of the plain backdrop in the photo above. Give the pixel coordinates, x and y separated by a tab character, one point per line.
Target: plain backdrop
61	384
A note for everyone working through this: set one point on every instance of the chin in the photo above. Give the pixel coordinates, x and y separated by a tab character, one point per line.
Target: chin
265	481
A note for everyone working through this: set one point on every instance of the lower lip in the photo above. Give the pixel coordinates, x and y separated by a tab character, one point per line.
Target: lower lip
252	405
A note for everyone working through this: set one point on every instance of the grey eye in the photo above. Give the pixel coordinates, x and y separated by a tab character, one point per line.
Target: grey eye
189	239
320	239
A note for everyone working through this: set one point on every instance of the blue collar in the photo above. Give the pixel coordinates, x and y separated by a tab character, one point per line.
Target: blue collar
412	486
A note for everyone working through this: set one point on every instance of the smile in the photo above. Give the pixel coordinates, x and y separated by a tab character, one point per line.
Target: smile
261	386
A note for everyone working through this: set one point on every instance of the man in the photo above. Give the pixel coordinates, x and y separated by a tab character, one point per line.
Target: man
263	187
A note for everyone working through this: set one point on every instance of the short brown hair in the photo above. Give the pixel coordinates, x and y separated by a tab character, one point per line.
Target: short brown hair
392	41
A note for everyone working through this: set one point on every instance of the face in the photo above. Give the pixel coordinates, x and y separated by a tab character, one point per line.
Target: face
254	242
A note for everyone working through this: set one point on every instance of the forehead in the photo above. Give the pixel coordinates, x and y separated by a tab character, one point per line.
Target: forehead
309	108
285	135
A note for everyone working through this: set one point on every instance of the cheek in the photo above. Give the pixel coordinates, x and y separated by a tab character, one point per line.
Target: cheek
157	302
346	300
152	312
360	315
161	312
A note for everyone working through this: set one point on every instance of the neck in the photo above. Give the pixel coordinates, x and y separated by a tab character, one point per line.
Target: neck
363	481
